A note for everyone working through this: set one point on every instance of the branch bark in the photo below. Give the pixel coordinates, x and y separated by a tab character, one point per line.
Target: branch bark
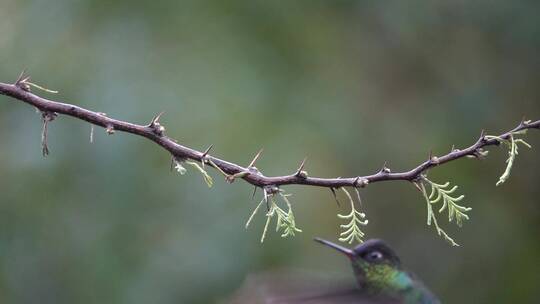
155	132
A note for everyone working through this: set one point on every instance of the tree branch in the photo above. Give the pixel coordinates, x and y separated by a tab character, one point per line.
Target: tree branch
156	132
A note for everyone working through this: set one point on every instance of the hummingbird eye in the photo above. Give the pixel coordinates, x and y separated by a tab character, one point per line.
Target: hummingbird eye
374	256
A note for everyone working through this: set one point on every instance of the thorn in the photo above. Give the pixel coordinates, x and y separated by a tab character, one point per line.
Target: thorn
300	172
302	164
91	133
156	118
110	129
254	191
265	193
172	163
358	196
430	155
335	196
22	82
205	153
524	122
415	183
19	79
156	126
255	158
482	137
384	169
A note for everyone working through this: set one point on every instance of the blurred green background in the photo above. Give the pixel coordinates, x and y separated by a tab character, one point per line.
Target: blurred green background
350	84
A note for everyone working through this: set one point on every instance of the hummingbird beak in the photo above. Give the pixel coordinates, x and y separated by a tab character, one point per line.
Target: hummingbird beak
346	251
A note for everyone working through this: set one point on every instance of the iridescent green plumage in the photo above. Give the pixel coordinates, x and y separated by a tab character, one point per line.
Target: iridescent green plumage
380	276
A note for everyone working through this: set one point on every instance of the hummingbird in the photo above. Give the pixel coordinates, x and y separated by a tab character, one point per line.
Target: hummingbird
380	277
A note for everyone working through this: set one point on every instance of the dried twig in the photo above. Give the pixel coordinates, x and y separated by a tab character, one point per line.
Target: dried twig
155	132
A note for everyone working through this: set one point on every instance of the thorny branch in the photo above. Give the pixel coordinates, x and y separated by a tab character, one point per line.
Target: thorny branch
154	131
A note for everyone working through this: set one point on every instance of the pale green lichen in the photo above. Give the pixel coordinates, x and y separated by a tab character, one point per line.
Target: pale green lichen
352	229
512	144
443	192
285	219
207	178
178	166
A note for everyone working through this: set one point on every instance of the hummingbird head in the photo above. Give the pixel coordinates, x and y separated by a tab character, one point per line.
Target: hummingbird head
375	264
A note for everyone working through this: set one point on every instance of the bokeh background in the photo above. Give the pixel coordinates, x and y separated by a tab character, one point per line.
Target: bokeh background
350	84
